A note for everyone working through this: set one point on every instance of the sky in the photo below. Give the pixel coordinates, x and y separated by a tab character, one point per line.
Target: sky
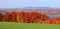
29	3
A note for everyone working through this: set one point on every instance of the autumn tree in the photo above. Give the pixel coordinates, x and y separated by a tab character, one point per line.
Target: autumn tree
44	17
6	17
1	16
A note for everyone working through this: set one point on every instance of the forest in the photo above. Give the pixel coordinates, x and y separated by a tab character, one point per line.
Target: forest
28	17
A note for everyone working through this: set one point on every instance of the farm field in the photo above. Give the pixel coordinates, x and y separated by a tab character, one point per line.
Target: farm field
12	25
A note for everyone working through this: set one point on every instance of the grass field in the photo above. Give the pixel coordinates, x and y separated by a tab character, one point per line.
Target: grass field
11	25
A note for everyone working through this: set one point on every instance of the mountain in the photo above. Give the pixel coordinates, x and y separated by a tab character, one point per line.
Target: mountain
27	9
44	10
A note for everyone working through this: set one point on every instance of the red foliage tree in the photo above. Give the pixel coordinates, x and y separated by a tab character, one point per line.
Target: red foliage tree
6	17
13	16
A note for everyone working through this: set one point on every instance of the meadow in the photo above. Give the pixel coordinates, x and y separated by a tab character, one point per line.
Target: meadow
15	25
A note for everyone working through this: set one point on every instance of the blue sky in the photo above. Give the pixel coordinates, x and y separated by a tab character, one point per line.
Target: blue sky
29	3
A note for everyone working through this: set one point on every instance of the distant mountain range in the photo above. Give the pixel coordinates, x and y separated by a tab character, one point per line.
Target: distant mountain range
28	9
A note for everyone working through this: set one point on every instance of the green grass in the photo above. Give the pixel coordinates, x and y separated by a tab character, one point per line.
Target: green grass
9	25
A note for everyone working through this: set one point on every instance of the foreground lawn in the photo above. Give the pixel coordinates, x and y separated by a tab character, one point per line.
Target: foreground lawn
10	25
